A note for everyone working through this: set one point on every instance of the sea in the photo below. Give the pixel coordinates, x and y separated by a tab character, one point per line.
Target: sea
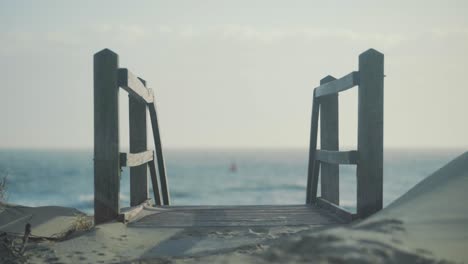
206	177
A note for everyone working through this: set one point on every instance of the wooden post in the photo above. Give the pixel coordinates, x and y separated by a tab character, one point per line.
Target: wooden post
370	133
159	154
138	174
106	137
315	177
312	178
330	188
154	181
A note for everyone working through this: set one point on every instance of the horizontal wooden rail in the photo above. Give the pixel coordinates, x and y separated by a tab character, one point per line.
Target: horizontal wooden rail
339	85
335	209
135	159
134	86
337	157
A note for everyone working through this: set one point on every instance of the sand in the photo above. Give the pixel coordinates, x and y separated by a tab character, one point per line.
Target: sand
429	224
51	222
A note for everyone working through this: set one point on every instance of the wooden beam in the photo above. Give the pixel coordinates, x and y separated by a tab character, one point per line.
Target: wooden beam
336	210
312	178
159	154
370	133
154	182
337	157
336	86
134	86
315	177
131	214
330	187
138	145
106	137
135	159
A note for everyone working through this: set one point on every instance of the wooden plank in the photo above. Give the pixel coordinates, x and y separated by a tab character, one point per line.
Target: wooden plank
132	213
154	182
135	159
159	154
246	220
236	213
187	221
208	216
330	188
340	85
336	210
106	137
241	207
238	216
312	178
134	86
370	133
240	213
261	223
139	156
315	178
337	157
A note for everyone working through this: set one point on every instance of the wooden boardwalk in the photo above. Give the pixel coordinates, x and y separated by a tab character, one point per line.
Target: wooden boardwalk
324	163
239	216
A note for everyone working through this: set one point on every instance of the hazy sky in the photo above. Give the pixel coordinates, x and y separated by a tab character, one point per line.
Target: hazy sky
233	73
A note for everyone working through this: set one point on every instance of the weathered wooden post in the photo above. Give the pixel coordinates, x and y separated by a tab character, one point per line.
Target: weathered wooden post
106	137
138	143
330	188
159	154
314	165
370	133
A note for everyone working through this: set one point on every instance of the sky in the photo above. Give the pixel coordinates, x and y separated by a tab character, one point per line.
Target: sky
233	74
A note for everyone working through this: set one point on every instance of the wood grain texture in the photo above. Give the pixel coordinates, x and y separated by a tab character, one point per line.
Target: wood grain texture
240	216
330	188
134	86
315	178
337	157
312	178
133	213
159	154
106	137
135	159
155	183
336	86
138	157
340	212
370	133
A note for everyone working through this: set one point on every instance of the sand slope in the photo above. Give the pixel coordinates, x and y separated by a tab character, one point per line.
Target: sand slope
52	222
434	213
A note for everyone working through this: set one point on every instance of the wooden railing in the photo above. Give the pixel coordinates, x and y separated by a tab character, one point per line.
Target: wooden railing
369	155
108	161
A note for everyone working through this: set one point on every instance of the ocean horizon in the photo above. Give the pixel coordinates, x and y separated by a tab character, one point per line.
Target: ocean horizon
203	176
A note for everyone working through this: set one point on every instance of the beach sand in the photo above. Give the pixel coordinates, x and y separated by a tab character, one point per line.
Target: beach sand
429	224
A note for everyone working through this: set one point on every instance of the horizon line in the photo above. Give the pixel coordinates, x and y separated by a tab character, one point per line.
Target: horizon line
233	148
